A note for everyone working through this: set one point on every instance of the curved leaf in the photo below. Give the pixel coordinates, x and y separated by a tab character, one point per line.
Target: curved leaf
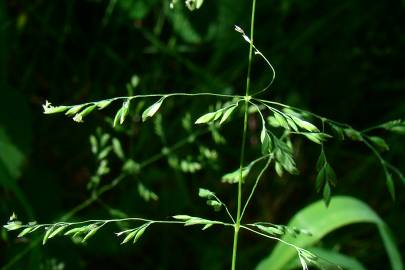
320	221
332	257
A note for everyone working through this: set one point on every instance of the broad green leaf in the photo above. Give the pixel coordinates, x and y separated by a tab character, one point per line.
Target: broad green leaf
329	260
321	220
149	112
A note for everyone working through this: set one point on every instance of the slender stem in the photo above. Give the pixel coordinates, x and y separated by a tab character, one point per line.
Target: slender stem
255	185
242	156
106	221
263	101
226	208
271	237
163	95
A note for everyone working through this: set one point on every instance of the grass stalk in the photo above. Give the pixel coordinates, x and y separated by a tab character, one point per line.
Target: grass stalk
242	155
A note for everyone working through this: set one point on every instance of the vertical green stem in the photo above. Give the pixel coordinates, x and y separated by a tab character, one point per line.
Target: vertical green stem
242	155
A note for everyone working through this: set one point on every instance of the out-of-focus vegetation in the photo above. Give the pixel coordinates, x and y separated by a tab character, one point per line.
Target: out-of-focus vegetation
340	59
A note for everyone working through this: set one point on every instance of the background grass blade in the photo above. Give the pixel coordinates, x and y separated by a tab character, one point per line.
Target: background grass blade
320	221
344	261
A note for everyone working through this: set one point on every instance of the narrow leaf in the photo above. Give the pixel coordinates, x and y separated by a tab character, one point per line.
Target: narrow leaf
353	134
57	231
149	112
326	193
25	231
266	144
47	234
129	236
117	148
75	230
75	109
139	234
281	120
124	112
182	217
320	180
207	226
102	104
205	193
91	233
88	110
117	117
227	113
305	124
321	161
380	142
390	184
206	118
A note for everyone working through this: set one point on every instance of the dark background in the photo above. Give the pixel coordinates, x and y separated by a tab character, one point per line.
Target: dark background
341	59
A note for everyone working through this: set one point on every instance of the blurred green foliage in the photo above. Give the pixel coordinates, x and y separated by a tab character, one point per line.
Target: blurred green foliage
342	59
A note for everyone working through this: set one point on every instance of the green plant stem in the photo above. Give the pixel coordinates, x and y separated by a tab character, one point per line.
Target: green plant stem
161	95
255	185
242	156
